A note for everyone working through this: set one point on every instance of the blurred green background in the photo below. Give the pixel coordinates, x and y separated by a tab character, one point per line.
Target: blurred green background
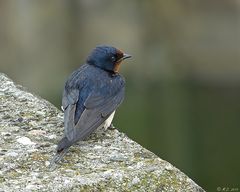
183	82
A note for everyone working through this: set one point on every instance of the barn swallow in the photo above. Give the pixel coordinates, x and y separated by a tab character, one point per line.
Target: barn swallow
91	95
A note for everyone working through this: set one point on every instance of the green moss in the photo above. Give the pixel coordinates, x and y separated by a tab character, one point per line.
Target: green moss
13	174
36	156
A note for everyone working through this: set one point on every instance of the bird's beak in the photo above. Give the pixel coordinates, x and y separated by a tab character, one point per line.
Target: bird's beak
118	62
126	56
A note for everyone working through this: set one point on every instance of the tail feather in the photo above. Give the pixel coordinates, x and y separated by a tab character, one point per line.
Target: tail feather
62	149
64	143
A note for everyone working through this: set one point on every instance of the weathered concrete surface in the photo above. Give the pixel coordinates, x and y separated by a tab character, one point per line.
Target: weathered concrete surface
107	161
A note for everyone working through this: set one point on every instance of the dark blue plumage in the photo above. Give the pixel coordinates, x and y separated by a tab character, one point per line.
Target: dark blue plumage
103	57
91	94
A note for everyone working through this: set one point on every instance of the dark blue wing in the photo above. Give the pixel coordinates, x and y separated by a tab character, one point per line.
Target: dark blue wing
94	115
86	109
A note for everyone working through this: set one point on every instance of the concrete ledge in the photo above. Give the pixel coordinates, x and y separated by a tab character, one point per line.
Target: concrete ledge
107	161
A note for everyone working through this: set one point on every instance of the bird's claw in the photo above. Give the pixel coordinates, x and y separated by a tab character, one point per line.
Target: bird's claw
111	127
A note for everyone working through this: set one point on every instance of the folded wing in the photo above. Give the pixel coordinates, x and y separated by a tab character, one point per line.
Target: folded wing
96	108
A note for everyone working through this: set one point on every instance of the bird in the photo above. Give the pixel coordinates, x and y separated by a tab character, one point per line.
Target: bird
91	95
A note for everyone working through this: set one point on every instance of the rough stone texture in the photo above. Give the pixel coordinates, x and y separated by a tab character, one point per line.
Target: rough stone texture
107	161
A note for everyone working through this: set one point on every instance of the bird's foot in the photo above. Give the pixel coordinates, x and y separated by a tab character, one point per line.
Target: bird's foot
111	127
57	158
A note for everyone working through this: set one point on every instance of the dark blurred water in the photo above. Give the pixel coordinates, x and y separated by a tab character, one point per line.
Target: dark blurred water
190	124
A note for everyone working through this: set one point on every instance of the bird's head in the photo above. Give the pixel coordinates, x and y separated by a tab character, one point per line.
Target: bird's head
107	58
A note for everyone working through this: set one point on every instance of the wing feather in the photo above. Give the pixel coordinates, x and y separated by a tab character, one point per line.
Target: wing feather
92	117
97	107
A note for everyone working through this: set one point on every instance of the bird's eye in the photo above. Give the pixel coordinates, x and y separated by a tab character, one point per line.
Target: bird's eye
113	58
